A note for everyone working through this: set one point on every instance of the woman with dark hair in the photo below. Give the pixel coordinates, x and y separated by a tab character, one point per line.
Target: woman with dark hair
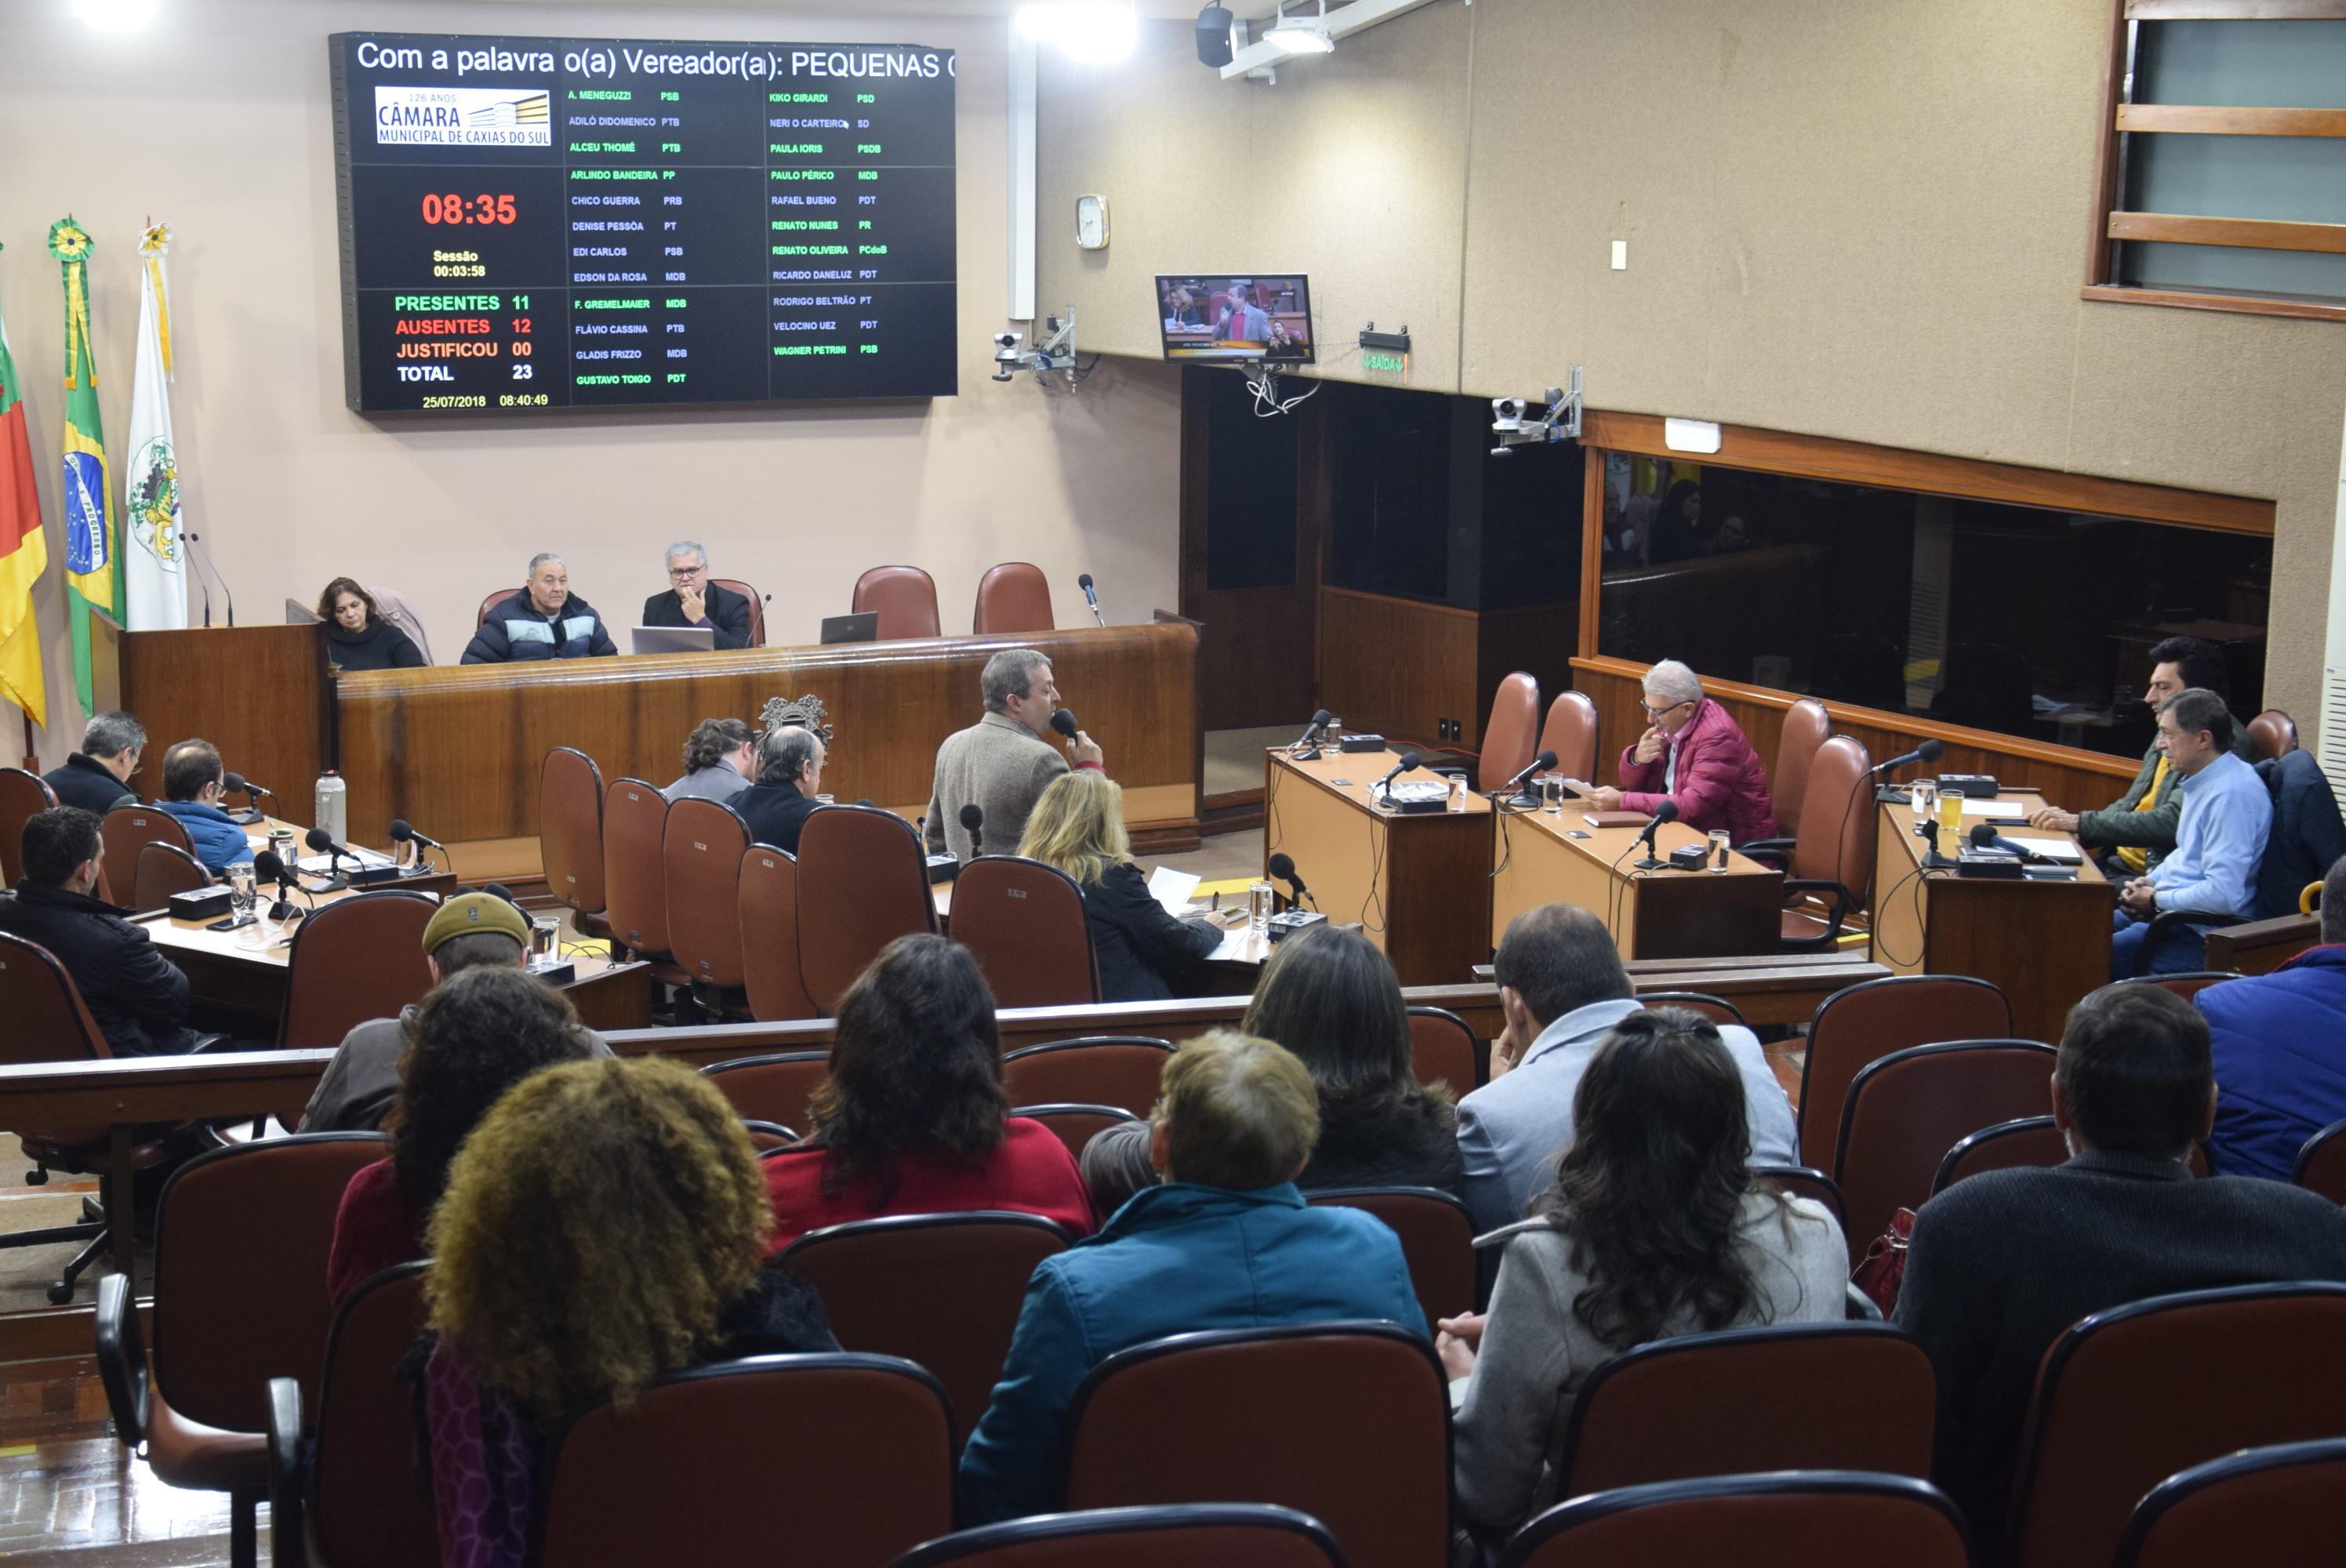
913	1118
357	637
1653	1228
1331	998
1676	532
720	760
475	1035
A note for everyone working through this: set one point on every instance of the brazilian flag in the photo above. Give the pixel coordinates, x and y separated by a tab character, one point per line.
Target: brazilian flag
93	576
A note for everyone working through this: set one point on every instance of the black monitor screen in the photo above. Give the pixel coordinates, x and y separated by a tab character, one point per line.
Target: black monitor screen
1235	317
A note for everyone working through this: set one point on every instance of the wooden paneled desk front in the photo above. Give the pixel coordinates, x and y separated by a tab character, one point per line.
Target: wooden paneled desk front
1543	859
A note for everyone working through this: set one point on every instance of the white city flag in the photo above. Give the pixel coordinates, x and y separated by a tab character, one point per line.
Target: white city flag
157	590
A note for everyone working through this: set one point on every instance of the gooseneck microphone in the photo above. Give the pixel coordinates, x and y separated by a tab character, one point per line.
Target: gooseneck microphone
268	866
1310	733
1282	866
1064	722
236	784
973	820
323	842
1409	759
1986	837
402	833
1929	751
1085	583
1514	787
1668	811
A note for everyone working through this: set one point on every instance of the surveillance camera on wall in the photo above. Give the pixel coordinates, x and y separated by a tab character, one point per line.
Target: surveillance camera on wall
1056	352
1558	419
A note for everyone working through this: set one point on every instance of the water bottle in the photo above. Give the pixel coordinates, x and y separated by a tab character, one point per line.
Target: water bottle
333	812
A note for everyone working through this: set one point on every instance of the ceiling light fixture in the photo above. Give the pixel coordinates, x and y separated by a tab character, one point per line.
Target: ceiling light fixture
1302	34
116	16
1098	31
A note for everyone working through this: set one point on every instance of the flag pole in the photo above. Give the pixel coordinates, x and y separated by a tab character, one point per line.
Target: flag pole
32	747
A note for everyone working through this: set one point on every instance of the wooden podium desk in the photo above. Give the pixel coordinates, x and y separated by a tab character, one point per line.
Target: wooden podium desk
2046	944
1417	882
1665	913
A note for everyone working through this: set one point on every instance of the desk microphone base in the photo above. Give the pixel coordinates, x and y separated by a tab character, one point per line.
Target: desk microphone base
1650	864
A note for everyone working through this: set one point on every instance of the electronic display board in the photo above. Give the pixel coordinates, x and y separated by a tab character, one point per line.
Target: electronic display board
561	223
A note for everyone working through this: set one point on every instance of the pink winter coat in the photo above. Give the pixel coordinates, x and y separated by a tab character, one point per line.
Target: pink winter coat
1721	783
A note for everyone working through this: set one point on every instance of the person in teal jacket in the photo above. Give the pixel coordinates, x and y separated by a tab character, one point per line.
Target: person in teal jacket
1227	1242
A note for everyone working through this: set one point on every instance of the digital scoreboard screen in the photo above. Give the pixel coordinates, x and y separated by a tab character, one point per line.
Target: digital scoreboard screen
561	223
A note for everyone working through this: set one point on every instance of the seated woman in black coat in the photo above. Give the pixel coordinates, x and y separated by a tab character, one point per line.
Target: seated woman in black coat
357	637
1144	953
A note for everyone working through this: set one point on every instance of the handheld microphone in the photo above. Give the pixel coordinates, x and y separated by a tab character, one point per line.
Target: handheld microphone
1409	759
1064	722
1282	866
1929	751
1986	837
973	820
1540	764
1085	583
1668	811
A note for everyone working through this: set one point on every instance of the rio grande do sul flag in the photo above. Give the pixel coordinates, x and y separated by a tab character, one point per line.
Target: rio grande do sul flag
23	550
93	578
152	555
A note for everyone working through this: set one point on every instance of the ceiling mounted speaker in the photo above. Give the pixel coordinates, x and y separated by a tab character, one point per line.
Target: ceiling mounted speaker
1214	36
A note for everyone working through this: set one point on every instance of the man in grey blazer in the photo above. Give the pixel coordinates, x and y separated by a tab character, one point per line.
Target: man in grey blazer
1004	762
1563	988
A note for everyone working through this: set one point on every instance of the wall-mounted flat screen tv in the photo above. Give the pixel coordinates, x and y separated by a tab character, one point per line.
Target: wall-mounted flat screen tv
1235	318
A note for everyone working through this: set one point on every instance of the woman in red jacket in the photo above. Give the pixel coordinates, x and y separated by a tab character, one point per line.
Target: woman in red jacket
1695	754
913	1118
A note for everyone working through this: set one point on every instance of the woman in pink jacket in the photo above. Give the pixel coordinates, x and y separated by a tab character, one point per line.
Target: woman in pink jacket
1695	754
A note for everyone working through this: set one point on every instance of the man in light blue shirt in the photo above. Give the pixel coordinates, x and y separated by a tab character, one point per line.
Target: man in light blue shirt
2218	840
1563	988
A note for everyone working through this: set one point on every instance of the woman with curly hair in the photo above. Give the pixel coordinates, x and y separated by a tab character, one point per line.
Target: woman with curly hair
357	636
1077	827
604	1226
913	1118
720	760
479	1034
1654	1229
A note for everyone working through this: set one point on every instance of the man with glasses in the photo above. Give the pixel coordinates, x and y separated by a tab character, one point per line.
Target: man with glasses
1693	752
692	600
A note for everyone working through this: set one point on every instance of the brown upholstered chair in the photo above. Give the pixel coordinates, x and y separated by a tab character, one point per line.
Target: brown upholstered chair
1346	1421
1800	1181
756	607
1014	596
1718	1010
863	882
2272	734
164	869
240	1241
1508	732
1790	1519
497	596
349	1495
881	1281
1252	1534
1806	727
21	795
2321	1163
1572	732
1861	1023
2276	1504
771	1088
1120	1070
1905	1111
358	958
125	830
2024	1141
570	835
2185	985
701	848
1437	1239
905	597
2129	1397
1075	1125
1442	1049
1024	922
1828	1396
634	875
861	1448
768	904
1828	863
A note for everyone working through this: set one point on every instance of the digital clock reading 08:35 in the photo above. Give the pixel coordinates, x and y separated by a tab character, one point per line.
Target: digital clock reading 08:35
454	209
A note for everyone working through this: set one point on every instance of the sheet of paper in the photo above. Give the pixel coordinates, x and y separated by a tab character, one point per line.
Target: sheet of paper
1172	889
2061	850
2010	811
317	865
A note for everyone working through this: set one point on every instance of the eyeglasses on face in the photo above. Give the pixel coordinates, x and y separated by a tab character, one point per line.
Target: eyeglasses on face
683	572
1653	712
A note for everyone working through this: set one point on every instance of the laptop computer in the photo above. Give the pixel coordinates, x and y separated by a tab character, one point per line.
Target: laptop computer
672	639
863	626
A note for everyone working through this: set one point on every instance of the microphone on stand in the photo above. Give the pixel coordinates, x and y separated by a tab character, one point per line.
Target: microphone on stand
1409	759
323	842
1282	866
268	866
1524	799
1668	811
197	553
1929	751
1085	583
401	833
1303	751
1984	837
973	820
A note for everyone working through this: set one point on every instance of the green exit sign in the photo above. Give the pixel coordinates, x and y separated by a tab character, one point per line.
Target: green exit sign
1385	360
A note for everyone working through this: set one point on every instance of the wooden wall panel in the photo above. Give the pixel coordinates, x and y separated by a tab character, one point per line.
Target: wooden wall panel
1397	666
258	693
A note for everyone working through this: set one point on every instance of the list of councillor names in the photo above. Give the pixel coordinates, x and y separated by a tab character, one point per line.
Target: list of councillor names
575	223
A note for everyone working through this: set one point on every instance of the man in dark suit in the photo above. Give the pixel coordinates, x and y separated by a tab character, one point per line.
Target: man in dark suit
692	600
790	772
2004	1263
97	776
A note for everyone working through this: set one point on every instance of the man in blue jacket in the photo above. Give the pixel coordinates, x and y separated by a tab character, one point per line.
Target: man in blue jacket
1227	1242
192	778
2280	1052
544	620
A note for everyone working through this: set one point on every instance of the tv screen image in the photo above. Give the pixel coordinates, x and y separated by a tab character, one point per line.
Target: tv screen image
1236	317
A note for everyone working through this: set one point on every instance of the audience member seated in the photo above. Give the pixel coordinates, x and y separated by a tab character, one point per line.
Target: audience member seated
721	760
2219	840
2139	827
913	1118
544	620
192	787
789	771
138	997
357	637
1145	953
1675	531
475	1035
1329	997
692	600
1695	755
1227	1242
1562	989
604	1226
1652	1229
470	931
97	776
2003	1262
2278	1042
1004	762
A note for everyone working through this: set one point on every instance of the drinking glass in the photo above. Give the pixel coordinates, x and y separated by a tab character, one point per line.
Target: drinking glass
545	937
241	888
1259	907
1552	794
1924	794
1718	848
